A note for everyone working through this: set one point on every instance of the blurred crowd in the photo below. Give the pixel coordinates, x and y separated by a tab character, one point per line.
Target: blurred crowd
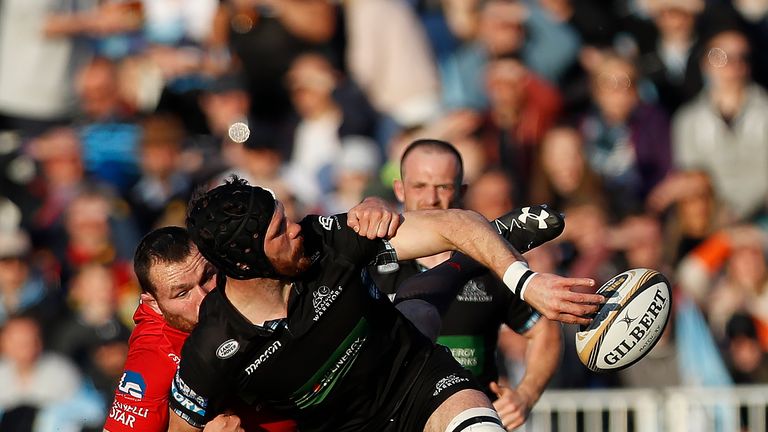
644	121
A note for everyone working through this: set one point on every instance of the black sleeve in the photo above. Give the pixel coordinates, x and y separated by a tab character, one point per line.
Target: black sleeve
334	232
195	386
519	316
441	284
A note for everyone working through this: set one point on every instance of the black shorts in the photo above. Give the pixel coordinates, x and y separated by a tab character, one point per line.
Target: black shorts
441	377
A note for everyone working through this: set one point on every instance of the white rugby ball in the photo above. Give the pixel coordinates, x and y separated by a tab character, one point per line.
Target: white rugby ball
629	324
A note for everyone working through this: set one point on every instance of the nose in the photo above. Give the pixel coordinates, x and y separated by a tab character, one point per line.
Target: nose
433	198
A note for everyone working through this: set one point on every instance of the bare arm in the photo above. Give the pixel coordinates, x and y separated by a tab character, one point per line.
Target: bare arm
425	233
541	359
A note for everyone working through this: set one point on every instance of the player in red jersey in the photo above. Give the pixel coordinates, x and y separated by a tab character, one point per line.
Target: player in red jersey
174	278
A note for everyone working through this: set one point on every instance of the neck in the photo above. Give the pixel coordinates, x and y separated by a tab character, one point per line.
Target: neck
728	99
259	300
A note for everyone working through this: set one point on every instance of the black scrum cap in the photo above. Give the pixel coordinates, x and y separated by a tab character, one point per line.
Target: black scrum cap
228	224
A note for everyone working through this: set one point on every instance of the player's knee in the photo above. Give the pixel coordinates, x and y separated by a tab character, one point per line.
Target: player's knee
476	420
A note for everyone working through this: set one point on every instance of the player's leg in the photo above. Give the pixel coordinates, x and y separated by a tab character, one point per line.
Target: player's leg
465	411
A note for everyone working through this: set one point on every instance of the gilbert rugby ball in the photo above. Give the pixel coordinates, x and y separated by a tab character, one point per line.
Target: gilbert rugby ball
629	324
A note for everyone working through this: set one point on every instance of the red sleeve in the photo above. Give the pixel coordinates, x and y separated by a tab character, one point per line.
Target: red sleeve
141	398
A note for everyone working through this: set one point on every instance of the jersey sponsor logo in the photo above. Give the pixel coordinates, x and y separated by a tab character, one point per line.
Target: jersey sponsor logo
187	397
541	217
132	384
227	349
447	382
276	345
468	350
323	298
474	291
126	414
333	371
327	222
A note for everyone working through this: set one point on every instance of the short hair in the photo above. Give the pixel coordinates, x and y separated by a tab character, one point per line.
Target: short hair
167	245
435	146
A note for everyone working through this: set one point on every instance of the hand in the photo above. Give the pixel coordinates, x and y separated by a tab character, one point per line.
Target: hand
373	218
224	423
512	405
568	300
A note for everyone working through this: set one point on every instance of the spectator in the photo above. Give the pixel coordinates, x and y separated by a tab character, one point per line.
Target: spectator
35	383
42	44
566	178
353	170
163	188
265	37
22	289
508	27
627	141
324	119
746	358
109	134
62	174
491	194
392	62
523	107
693	211
92	319
96	231
723	131
671	64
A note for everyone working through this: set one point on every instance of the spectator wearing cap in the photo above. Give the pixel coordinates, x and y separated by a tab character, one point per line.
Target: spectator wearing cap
22	289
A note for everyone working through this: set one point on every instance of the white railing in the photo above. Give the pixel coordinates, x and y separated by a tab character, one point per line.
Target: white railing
731	409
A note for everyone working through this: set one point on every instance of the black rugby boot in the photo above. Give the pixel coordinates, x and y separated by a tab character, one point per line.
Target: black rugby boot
528	227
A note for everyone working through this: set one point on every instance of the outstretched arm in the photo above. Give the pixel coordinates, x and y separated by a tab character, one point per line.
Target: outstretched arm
425	233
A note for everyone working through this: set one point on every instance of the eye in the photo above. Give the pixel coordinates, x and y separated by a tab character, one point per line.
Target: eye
182	294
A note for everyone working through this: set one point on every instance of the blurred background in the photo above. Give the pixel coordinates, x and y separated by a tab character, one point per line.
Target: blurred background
644	121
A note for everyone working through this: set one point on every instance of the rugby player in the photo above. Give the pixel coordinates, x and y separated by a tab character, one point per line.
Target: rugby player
431	174
295	323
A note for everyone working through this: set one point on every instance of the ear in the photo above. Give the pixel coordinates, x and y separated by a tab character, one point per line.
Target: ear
399	189
150	301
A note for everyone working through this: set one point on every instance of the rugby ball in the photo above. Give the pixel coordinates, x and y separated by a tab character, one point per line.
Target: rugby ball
629	323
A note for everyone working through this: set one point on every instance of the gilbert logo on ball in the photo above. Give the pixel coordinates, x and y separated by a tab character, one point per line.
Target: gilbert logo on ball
629	324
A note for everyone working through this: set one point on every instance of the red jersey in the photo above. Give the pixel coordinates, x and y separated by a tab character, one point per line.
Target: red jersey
141	398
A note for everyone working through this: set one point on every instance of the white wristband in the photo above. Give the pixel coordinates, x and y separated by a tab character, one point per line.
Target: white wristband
517	277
